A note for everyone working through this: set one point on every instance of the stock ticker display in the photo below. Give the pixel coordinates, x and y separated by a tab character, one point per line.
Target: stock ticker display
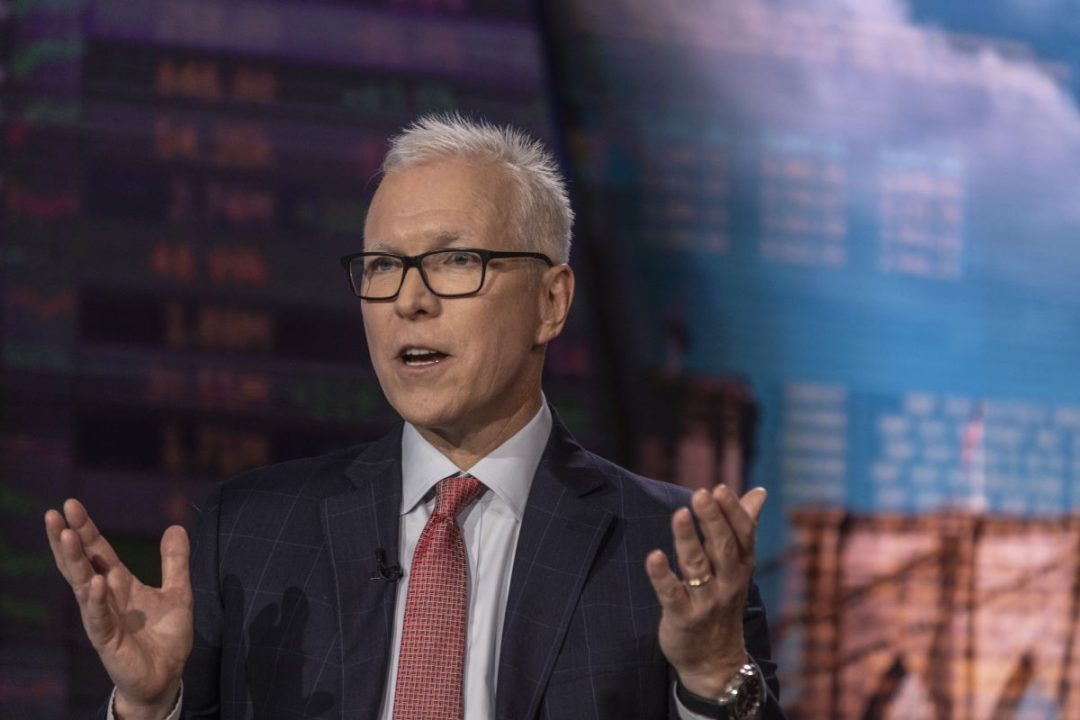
866	215
182	179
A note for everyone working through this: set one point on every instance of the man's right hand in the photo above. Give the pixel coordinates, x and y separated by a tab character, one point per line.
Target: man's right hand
143	634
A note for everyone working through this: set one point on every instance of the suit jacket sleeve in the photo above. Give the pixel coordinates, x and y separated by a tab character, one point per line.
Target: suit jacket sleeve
202	676
758	646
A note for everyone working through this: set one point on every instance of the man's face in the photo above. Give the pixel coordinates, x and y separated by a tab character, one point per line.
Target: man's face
487	349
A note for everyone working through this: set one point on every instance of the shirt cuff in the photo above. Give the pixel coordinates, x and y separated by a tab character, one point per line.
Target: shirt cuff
684	714
174	714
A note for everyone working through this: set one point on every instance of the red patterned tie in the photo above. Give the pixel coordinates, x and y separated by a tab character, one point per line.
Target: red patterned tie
432	657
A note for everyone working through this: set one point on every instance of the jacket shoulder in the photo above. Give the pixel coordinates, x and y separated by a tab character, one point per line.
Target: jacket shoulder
637	492
302	476
303	479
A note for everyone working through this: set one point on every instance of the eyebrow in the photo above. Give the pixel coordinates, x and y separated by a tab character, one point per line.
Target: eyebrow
445	239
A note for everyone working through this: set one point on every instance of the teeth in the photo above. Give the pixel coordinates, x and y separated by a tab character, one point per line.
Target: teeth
421	356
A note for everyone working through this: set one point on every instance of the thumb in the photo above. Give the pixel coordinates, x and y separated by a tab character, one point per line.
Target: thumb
175	554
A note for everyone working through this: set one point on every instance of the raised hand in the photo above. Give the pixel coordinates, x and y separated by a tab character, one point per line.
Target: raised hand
701	631
142	634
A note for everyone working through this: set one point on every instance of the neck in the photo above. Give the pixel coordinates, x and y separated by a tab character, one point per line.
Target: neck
466	447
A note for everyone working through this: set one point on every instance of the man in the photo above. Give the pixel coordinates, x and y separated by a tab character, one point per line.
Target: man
475	562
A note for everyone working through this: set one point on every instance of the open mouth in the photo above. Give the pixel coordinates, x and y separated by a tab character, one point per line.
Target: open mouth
421	357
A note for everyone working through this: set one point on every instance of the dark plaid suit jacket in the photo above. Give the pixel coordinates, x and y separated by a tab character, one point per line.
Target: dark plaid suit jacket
289	623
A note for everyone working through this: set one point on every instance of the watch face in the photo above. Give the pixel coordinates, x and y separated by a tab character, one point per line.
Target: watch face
747	704
750	696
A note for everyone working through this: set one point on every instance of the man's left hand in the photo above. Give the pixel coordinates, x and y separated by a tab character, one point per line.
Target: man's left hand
701	631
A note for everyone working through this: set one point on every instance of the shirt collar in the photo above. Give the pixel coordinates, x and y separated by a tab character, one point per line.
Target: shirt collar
508	470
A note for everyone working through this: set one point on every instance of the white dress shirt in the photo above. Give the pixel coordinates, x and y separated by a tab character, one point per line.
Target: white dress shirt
489	528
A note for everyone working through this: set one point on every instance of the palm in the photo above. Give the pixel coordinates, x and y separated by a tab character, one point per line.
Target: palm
153	634
142	634
693	635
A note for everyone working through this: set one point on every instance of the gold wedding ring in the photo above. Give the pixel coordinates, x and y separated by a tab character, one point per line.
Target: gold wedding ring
699	581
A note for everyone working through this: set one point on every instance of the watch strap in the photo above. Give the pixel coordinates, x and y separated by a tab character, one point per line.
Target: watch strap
702	705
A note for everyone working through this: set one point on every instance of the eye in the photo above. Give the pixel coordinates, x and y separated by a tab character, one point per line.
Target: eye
382	265
461	259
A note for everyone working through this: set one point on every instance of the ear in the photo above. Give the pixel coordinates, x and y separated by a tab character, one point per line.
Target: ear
556	295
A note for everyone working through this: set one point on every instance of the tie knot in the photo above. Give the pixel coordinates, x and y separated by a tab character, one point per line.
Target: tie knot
455	493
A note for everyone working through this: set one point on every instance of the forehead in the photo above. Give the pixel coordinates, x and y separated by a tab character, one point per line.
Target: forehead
431	204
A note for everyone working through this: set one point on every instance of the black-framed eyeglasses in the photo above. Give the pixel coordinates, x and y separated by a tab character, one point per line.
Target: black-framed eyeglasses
449	273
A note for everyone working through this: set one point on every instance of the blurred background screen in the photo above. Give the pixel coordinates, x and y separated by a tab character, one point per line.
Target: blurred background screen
853	227
822	246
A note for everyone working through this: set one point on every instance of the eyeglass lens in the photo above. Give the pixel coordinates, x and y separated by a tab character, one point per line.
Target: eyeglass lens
448	272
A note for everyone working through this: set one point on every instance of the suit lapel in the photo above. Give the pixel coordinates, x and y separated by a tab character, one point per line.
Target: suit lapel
561	532
356	523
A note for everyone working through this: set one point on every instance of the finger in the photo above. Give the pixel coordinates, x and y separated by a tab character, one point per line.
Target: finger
741	515
721	544
94	543
753	501
670	591
175	554
79	569
54	525
693	562
98	617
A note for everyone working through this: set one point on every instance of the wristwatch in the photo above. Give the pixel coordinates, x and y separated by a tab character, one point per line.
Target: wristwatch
741	699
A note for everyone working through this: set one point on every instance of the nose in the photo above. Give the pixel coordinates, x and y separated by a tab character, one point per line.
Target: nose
414	298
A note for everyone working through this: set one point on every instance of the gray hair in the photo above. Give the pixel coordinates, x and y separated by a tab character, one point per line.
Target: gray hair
541	215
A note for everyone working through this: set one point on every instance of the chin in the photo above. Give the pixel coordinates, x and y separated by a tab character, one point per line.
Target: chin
423	413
